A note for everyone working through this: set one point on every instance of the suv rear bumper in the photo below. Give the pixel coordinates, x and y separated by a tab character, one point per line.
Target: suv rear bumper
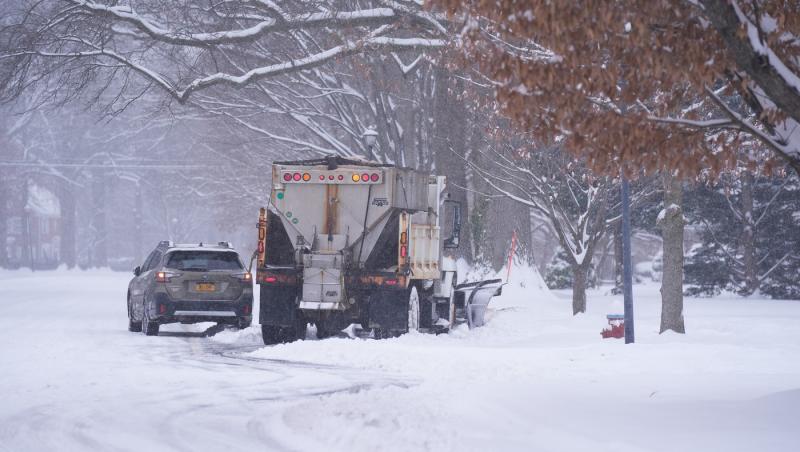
235	312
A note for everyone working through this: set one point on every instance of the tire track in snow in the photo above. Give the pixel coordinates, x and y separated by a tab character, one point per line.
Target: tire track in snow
277	392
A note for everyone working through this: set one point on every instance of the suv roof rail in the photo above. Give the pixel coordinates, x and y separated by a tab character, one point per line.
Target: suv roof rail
167	243
225	244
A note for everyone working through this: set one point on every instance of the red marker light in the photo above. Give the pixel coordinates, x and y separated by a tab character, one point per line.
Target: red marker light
365	177
403	251
321	177
374	177
331	177
270	279
341	177
287	177
297	176
390	282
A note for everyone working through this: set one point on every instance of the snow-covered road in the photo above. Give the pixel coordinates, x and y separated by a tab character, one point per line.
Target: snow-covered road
535	378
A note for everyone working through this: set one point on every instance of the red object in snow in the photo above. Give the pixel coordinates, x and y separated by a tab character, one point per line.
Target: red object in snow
617	330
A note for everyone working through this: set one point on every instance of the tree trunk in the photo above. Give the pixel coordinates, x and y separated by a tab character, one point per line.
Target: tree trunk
5	194
68	226
27	242
580	277
137	226
748	242
99	246
672	234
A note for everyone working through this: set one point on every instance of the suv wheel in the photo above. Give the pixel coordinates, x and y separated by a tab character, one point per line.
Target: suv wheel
133	326
149	328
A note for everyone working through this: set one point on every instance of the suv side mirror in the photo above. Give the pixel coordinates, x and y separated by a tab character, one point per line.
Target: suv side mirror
137	271
452	241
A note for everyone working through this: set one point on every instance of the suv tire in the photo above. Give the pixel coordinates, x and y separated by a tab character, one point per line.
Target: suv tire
133	326
149	328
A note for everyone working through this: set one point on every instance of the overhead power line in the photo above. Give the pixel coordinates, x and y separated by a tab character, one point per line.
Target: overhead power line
103	166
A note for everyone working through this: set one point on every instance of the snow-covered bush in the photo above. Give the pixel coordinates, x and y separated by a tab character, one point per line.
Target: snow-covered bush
558	273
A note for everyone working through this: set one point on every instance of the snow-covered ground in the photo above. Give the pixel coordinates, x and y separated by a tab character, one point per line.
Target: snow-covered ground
534	379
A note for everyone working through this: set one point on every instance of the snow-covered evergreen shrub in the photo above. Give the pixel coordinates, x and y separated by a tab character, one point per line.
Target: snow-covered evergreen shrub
558	272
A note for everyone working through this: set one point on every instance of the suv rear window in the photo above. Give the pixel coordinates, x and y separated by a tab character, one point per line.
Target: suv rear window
203	260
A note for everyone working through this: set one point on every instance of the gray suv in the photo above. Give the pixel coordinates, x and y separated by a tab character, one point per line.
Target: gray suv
190	284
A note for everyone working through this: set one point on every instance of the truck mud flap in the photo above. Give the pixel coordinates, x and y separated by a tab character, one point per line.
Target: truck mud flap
388	309
475	298
278	306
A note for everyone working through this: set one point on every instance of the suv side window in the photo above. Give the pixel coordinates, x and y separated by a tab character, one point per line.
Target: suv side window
154	260
148	261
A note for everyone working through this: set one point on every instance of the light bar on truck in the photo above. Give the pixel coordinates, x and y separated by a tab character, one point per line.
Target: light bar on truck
339	176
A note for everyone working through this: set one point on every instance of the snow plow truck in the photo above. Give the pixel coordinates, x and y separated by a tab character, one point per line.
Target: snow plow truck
349	241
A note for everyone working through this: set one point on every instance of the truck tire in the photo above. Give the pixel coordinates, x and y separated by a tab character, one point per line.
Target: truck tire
382	333
272	334
414	310
322	330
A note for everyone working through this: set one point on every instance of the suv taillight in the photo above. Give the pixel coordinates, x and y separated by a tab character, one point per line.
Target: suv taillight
244	276
165	276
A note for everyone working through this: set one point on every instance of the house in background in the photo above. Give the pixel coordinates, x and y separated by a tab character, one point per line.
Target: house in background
34	238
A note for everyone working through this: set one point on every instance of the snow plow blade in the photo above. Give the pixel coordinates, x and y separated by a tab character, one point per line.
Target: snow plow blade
475	298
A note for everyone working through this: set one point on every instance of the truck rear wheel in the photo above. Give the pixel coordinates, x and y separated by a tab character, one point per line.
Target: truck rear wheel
413	310
272	334
322	330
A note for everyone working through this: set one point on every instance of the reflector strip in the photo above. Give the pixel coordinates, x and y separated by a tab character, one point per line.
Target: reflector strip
206	313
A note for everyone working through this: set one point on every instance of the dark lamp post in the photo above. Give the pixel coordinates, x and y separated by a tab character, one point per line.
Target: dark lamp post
627	276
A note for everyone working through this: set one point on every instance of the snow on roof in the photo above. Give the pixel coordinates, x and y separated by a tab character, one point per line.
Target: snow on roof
42	202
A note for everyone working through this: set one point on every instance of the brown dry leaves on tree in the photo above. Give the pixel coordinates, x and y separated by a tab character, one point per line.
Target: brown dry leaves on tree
612	68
